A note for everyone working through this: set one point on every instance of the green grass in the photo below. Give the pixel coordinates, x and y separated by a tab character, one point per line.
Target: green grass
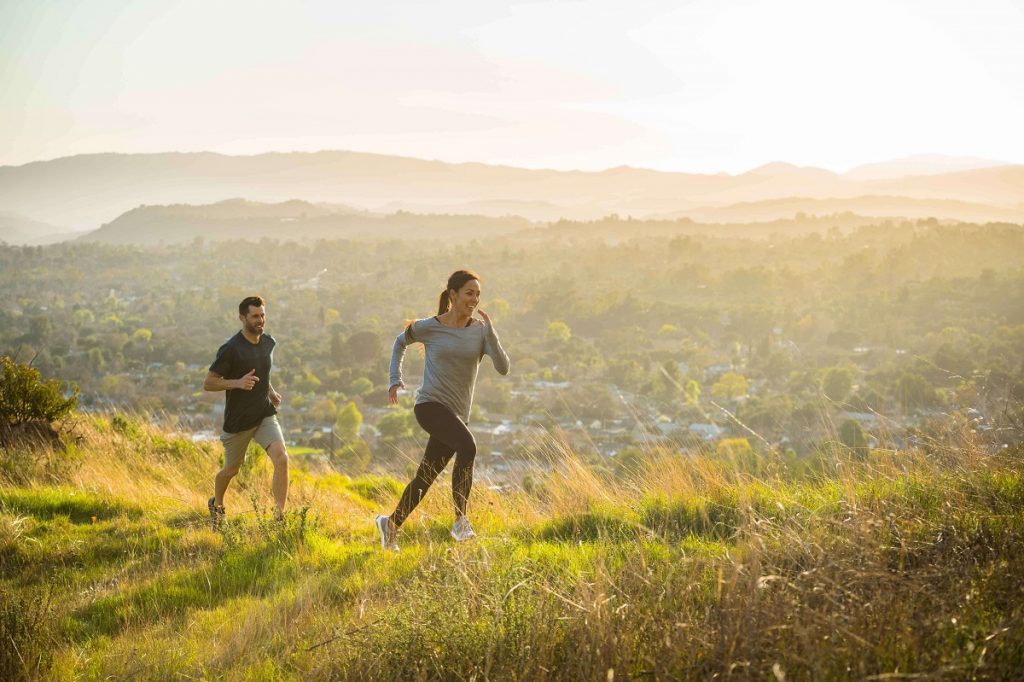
76	505
884	570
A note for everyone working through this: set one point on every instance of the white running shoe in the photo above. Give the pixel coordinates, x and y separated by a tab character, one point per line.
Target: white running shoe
388	535
461	530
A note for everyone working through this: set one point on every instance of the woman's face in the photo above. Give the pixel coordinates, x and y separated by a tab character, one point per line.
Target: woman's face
467	298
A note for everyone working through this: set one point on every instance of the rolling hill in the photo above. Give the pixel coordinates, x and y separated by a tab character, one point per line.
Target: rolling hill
83	192
291	220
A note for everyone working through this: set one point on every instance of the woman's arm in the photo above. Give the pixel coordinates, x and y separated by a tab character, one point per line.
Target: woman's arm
492	346
395	382
397	355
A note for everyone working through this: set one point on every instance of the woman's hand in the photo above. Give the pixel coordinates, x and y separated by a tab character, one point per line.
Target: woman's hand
393	393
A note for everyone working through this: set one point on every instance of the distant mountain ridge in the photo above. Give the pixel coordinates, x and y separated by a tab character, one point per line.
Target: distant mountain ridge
83	192
240	219
19	229
919	164
873	206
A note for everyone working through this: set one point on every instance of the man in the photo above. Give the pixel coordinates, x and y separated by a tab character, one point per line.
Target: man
242	369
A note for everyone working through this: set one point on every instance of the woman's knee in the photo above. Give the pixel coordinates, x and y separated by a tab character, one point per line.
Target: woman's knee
466	452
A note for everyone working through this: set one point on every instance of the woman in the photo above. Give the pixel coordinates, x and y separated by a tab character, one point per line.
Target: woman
455	344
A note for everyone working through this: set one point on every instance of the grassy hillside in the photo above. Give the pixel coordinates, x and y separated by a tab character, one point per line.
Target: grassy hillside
899	565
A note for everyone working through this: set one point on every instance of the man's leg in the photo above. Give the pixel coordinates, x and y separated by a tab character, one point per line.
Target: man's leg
271	438
279	456
220	487
235	445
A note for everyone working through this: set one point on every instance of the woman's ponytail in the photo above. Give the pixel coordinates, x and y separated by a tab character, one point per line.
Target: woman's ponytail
444	302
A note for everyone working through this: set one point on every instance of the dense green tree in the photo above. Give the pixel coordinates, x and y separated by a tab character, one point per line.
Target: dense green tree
362	347
558	332
627	373
347	424
306	382
914	391
324	411
360	386
768	416
667	381
337	348
396	424
39	329
692	391
836	383
852	435
730	385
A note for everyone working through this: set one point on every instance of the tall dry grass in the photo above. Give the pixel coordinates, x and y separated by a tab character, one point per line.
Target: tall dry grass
889	565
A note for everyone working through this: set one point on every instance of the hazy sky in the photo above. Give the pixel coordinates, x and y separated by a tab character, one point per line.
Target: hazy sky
700	85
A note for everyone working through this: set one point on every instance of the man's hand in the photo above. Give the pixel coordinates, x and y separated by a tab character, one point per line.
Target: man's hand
275	397
248	381
486	318
393	393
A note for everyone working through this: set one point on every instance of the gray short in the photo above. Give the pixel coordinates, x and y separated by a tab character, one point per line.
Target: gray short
235	444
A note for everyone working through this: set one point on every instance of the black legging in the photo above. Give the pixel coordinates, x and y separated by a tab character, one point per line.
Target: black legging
448	436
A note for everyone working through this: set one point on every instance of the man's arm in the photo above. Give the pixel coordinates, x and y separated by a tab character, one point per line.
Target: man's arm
215	382
275	397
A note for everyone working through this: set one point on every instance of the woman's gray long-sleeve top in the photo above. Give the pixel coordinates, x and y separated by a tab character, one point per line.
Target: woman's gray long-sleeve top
453	357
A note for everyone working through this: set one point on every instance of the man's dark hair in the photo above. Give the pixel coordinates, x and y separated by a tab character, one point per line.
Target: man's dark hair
255	301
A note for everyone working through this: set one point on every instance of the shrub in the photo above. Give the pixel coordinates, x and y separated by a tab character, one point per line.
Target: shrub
851	434
25	397
126	427
25	634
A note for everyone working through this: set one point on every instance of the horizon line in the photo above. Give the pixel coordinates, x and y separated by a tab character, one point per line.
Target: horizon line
990	163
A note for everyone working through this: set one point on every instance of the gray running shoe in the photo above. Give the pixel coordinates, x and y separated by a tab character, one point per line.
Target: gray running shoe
388	534
461	530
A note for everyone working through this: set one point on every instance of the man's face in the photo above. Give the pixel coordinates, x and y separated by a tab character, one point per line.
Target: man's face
254	320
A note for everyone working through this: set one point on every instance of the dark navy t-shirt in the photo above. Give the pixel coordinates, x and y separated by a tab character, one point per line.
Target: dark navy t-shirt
246	409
